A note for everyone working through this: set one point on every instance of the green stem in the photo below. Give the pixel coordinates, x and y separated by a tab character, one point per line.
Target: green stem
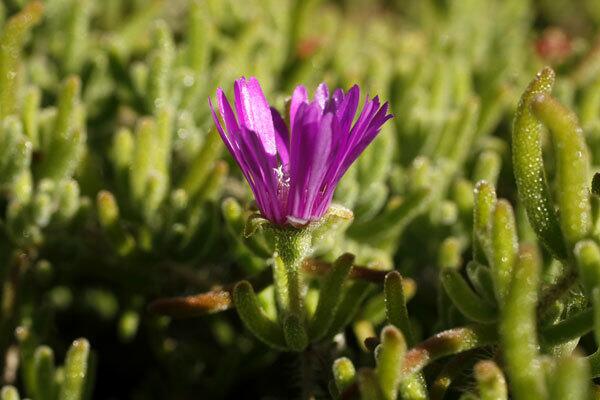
292	246
287	287
307	374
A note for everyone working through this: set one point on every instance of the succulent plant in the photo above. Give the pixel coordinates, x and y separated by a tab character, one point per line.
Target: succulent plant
452	251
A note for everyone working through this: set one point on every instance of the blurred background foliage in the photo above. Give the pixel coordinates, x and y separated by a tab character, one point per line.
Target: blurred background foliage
115	191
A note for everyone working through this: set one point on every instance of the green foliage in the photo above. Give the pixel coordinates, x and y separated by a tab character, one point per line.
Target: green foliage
44	380
461	258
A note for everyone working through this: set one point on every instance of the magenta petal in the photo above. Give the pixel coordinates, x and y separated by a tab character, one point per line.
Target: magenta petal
254	112
282	137
369	109
263	174
347	109
338	96
231	146
239	152
306	126
300	96
364	137
295	169
362	134
322	95
321	159
227	113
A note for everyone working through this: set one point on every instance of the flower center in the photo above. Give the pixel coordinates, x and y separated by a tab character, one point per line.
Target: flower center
283	186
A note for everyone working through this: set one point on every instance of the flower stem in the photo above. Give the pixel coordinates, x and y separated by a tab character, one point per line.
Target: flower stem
288	286
292	246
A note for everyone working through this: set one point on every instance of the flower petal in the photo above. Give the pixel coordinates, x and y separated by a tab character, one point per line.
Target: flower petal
363	136
263	174
317	183
347	108
299	97
305	129
363	133
220	129
254	112
227	113
240	152
282	138
322	95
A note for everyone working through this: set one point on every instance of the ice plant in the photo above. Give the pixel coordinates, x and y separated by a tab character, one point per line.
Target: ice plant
293	169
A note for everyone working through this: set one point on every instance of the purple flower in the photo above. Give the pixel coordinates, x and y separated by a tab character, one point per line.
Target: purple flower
293	176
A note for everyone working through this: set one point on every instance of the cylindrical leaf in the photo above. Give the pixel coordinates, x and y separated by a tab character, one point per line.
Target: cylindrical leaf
44	372
518	329
465	299
572	167
528	165
368	385
344	373
330	296
490	381
485	201
9	393
587	256
389	361
254	319
504	248
76	369
571	379
395	305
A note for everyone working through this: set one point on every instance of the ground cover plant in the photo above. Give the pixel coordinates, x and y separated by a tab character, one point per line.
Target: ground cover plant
190	208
